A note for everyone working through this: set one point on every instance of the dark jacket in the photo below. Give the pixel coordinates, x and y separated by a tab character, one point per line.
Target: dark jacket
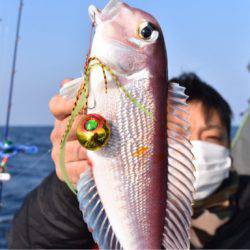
236	232
50	218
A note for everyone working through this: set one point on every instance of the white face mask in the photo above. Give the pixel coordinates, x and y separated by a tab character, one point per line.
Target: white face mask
212	163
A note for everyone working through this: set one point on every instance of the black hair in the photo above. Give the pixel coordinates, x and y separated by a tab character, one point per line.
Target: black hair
197	90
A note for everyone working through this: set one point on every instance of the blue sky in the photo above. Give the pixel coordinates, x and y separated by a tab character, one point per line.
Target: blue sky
209	37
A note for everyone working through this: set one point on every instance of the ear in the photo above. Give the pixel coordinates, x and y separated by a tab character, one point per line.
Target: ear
95	14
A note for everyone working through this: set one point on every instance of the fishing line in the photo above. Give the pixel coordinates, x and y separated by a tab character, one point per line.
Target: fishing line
26	170
4	31
81	102
43	156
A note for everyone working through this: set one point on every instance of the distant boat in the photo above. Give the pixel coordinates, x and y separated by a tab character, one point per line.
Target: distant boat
241	146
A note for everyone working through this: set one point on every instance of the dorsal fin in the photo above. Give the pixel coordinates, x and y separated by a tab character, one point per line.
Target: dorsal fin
94	213
180	172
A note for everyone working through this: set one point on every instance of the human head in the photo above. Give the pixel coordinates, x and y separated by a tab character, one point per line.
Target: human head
210	126
210	114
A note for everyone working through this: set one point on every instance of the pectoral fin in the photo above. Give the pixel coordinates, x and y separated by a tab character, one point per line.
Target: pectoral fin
94	214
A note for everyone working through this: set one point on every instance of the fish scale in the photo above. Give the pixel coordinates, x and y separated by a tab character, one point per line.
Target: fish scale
142	163
130	123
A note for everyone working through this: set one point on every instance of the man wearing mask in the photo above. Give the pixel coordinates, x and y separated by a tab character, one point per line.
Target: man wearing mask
50	217
222	199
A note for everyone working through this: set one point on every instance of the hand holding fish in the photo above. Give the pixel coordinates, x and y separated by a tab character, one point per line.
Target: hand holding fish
76	160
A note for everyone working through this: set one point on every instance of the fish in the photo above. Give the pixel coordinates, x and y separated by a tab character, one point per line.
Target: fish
138	192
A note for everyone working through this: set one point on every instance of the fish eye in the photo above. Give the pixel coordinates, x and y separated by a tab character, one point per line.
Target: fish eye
147	31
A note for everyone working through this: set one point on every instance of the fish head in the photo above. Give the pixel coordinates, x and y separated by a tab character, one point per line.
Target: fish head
126	38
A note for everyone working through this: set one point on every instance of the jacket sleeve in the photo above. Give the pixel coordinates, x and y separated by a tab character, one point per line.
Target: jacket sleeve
50	218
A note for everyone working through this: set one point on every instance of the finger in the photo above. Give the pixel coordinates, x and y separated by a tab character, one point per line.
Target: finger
74	170
60	107
60	128
73	152
63	82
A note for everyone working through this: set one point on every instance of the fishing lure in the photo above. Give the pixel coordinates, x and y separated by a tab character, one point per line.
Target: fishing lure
93	132
88	139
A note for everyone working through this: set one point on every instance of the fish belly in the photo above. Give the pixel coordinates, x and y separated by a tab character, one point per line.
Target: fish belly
130	171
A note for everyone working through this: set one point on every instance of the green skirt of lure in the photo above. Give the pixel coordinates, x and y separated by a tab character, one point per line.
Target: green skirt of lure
93	132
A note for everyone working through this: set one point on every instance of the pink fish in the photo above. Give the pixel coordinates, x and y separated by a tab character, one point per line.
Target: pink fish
138	192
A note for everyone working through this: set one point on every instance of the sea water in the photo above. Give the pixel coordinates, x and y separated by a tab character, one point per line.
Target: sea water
27	172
